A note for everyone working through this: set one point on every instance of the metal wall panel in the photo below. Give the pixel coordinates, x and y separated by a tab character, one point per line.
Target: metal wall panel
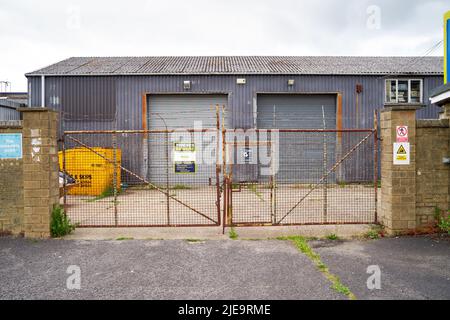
9	114
286	111
128	92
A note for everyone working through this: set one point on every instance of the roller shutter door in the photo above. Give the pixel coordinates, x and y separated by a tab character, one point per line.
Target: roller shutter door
177	112
301	155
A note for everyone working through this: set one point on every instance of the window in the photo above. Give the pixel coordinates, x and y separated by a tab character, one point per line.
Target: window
403	91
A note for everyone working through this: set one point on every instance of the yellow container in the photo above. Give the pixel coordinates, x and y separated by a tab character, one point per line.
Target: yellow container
94	175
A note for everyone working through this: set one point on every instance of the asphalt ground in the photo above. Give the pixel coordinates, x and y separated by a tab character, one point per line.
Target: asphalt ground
410	268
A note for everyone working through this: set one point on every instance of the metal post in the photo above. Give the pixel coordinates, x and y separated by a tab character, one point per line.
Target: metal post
218	163
225	171
375	160
114	144
273	188
225	203
167	177
64	172
325	165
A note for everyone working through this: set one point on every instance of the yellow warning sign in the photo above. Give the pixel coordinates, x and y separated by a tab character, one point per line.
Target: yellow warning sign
401	153
401	150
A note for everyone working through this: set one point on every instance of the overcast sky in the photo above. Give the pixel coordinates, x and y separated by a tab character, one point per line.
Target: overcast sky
34	34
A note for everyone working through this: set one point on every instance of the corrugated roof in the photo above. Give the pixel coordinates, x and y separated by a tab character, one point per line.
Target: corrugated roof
244	65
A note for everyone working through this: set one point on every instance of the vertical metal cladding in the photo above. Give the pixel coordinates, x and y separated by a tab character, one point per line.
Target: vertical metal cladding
9	114
108	102
103	98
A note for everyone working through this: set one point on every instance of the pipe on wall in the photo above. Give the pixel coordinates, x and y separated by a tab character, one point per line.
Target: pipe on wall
43	91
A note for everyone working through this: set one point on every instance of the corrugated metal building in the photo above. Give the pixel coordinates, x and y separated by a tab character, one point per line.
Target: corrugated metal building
9	103
259	92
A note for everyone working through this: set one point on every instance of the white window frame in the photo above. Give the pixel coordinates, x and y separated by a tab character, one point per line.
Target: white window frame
409	90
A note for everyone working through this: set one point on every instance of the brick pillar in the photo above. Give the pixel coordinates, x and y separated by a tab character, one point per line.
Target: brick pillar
398	182
445	114
40	170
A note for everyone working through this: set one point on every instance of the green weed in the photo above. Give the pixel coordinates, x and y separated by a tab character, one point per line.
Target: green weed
233	234
302	246
60	224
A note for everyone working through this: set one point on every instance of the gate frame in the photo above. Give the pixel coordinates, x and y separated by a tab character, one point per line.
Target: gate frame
67	134
228	203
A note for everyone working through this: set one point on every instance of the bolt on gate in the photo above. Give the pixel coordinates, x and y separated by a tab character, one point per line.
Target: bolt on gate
220	176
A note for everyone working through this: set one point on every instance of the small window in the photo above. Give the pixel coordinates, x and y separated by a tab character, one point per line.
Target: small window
416	91
403	91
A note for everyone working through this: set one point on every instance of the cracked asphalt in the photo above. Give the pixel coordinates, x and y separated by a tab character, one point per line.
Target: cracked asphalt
411	268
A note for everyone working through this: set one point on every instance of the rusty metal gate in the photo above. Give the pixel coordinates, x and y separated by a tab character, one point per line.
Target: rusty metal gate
219	176
300	177
116	187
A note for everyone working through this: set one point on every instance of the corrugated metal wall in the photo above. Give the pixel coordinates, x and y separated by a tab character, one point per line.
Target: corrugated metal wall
9	114
122	96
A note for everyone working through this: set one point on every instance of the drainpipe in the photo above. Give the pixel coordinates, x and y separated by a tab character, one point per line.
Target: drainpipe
43	91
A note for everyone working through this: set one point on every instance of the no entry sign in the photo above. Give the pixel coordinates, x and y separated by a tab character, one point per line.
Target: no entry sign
402	133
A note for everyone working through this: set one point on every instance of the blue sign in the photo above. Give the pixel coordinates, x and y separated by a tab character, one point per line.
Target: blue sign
10	146
185	167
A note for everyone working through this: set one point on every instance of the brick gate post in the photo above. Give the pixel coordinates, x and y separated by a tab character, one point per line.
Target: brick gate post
398	182
40	169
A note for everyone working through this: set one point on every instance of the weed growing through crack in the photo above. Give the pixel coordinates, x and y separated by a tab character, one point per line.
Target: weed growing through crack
233	234
194	240
302	246
332	236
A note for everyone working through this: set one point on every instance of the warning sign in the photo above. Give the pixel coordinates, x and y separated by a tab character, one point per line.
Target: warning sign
401	150
184	158
401	153
402	133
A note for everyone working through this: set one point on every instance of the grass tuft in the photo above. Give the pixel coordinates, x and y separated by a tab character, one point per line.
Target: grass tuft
60	224
124	238
302	246
332	236
233	234
194	240
108	192
443	220
375	232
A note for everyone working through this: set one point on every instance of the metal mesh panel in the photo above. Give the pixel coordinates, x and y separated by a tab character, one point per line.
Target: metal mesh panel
313	177
163	192
189	177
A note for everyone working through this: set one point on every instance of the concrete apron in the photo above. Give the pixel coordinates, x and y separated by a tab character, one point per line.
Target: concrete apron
215	233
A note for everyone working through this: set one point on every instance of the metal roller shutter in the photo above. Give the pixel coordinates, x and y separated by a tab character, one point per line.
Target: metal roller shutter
182	111
301	155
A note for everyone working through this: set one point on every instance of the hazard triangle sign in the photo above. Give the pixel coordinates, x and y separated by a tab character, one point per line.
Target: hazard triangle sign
401	153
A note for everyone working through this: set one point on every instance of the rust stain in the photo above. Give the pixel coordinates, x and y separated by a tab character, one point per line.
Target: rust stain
144	111
339	114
